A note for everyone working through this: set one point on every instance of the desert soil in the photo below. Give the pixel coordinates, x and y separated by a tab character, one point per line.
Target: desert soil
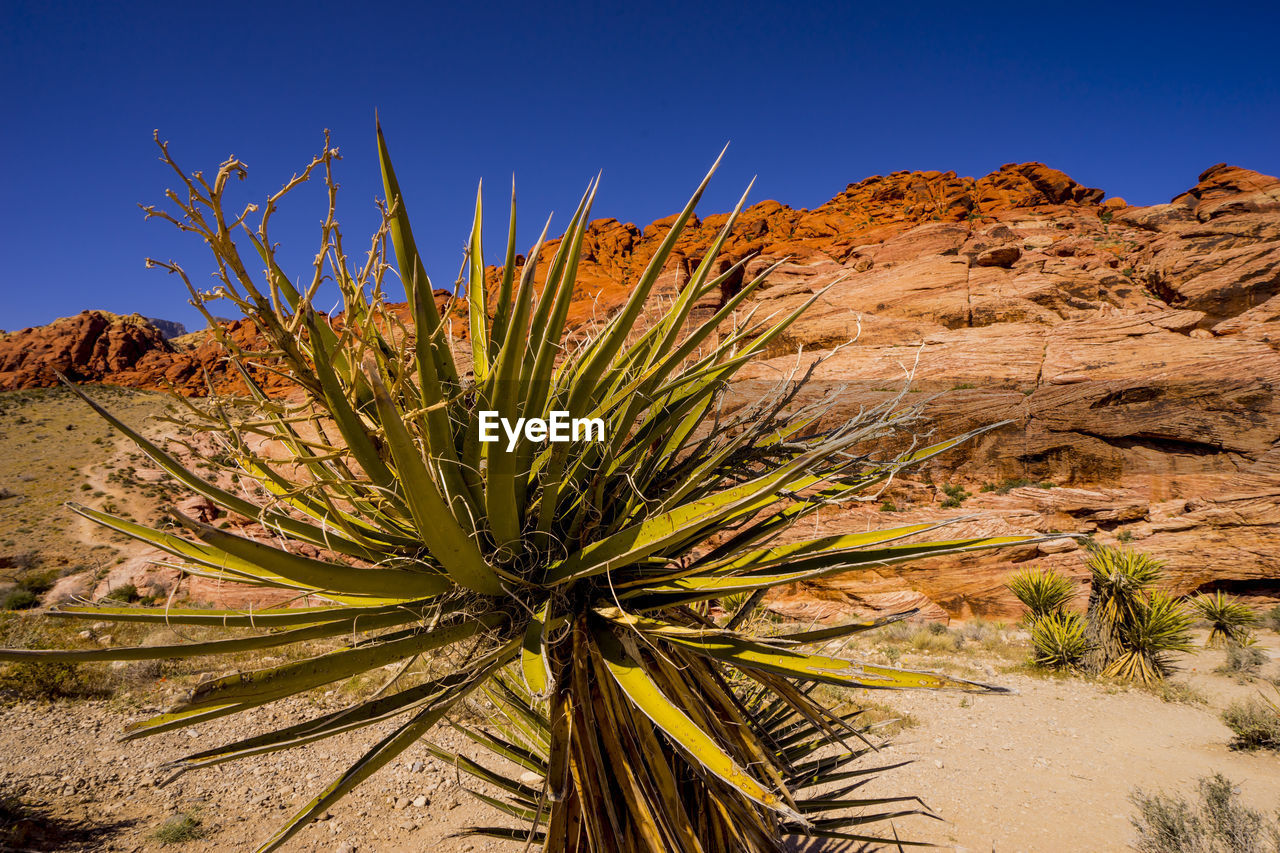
1047	769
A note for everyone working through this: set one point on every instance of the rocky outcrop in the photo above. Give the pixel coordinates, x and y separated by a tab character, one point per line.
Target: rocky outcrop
1134	351
90	346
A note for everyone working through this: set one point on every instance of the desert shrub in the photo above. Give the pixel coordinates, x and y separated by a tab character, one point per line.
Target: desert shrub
1243	661
126	592
1217	823
1058	640
1229	618
1118	583
1178	692
1158	628
19	598
955	495
1272	618
1255	721
26	593
980	631
565	583
1041	591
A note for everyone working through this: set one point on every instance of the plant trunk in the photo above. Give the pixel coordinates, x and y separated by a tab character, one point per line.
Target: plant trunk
1103	635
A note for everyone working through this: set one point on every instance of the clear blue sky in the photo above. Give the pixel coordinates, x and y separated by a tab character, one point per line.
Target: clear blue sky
1135	98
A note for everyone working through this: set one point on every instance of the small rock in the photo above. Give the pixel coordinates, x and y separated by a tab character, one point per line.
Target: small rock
937	764
400	803
417	767
346	847
419	801
528	777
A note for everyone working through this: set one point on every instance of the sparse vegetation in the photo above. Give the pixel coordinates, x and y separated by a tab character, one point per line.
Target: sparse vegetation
1242	661
1217	823
955	495
26	592
1255	722
43	460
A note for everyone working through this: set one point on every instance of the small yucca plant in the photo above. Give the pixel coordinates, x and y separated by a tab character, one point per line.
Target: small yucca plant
1230	619
1159	627
559	580
1041	591
1058	640
1119	582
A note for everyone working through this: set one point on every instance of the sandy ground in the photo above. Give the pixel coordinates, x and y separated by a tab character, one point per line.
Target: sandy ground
1047	769
1052	767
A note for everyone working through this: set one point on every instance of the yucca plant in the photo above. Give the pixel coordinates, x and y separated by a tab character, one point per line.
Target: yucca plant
558	579
1058	640
1159	627
1230	619
1119	582
1041	591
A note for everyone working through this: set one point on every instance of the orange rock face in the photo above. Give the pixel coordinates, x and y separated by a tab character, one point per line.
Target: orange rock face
87	347
1133	349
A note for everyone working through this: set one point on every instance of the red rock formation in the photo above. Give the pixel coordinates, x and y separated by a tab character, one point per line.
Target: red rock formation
87	347
1134	348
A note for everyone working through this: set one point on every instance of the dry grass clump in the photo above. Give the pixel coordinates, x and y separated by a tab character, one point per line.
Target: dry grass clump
180	829
1243	662
1255	722
1216	823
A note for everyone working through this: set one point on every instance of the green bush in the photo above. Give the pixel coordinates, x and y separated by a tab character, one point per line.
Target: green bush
1058	640
126	592
48	680
1041	591
27	593
19	598
956	495
1229	618
1158	628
